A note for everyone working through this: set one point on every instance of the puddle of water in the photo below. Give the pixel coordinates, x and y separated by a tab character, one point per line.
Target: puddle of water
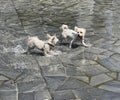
54	53
20	66
100	17
17	50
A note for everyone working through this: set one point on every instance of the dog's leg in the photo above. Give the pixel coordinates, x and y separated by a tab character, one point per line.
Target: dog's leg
61	39
83	42
71	42
29	50
46	49
45	53
74	38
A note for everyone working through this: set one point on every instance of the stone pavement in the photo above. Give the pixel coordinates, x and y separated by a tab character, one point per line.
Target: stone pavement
74	74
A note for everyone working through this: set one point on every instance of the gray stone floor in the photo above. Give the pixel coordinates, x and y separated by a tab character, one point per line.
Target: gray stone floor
79	73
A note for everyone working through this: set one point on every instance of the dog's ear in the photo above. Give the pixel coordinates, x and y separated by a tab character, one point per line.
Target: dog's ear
48	36
75	28
64	26
83	30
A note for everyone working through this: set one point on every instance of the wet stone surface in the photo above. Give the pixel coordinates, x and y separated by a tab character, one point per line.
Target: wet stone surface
80	73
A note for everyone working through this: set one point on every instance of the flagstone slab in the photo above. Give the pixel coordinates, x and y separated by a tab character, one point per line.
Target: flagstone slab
35	95
8	92
54	82
91	69
72	84
54	70
99	79
64	95
111	64
113	86
96	94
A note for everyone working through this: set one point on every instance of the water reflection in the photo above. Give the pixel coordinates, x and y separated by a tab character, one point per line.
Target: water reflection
109	23
44	16
85	12
39	17
103	18
99	17
116	17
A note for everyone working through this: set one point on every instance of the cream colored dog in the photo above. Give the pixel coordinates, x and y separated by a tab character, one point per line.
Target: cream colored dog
46	46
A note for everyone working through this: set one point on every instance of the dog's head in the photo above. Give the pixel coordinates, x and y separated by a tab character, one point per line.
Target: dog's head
80	31
52	39
63	27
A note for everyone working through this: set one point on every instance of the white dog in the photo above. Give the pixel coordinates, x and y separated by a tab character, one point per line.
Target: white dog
81	32
66	32
46	46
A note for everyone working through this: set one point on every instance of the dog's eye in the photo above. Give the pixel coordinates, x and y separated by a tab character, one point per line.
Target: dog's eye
80	32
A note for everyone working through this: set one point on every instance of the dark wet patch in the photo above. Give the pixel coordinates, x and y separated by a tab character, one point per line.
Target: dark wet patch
36	53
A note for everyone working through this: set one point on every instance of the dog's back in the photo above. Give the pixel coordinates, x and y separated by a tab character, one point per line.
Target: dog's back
34	41
67	32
